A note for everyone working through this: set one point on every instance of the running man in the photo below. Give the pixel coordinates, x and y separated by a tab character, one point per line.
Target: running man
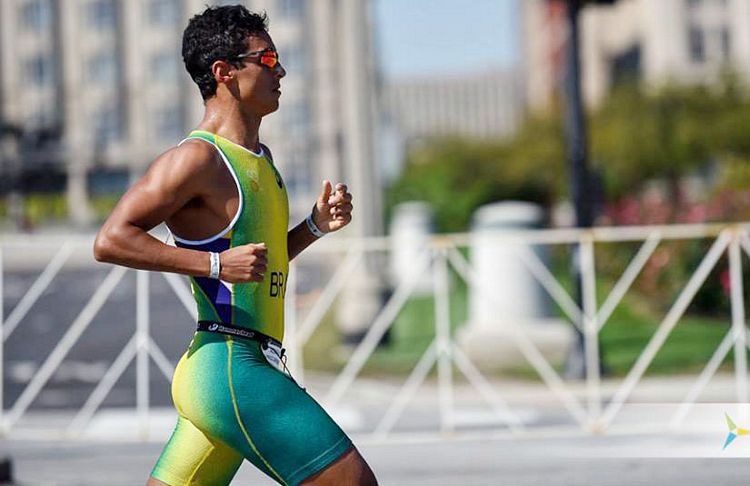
225	203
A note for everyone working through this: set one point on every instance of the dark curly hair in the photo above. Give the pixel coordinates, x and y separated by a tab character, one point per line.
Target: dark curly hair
218	33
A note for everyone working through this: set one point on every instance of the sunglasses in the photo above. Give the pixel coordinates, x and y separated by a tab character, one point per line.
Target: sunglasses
266	57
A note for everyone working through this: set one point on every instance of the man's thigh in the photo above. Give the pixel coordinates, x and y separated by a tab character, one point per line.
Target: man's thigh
192	457
283	426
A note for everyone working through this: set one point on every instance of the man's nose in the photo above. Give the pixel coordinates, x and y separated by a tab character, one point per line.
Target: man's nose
279	71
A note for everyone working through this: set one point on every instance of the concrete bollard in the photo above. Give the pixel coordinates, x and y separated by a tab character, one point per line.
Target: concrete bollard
410	229
517	298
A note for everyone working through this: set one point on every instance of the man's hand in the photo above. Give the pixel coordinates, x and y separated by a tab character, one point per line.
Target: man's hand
332	211
246	263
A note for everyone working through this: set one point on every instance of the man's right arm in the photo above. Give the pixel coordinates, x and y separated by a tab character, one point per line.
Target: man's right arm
174	179
171	181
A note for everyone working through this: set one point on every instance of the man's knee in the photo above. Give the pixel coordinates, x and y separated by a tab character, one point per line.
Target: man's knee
364	474
351	468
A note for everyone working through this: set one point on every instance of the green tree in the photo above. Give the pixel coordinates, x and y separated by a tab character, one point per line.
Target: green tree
638	134
456	176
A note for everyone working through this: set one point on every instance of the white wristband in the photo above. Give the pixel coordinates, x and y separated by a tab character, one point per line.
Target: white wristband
313	229
215	265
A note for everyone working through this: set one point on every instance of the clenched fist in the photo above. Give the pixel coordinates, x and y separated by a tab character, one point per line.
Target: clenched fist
332	210
246	263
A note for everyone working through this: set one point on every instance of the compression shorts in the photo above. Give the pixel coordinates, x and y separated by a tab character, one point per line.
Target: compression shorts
233	405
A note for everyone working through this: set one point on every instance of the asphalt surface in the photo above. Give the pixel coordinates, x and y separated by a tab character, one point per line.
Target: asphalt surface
551	462
40	331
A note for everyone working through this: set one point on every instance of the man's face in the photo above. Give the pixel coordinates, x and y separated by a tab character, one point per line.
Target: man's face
258	84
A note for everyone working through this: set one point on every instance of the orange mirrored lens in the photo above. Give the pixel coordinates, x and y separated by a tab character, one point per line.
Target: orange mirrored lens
270	59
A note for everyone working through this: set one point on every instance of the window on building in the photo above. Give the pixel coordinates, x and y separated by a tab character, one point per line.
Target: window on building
102	14
107	125
293	9
726	43
36	15
43	116
164	12
626	67
108	181
165	66
102	68
168	122
41	70
697	45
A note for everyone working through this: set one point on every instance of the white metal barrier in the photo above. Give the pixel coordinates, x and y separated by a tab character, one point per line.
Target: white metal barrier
591	412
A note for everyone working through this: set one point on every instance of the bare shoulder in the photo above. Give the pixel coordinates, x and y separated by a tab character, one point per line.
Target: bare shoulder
192	156
183	165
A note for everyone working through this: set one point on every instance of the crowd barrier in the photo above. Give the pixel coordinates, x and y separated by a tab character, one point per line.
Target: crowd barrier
589	411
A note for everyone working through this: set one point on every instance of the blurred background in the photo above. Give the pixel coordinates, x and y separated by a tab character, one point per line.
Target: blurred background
93	90
444	118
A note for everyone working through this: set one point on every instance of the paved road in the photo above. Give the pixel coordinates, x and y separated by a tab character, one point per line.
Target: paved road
550	462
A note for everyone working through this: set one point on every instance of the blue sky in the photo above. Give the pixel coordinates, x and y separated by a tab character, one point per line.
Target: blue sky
423	37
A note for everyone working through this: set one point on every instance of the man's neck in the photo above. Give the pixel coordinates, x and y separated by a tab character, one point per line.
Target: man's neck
227	120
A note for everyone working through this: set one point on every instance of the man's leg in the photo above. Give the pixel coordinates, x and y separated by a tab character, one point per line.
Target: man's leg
279	427
192	457
350	469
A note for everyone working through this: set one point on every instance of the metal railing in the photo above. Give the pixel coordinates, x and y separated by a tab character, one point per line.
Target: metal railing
588	411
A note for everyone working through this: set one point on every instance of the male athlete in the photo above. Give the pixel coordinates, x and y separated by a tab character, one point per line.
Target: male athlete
226	205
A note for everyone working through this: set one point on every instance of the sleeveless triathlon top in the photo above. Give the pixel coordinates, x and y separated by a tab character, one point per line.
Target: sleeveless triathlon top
262	217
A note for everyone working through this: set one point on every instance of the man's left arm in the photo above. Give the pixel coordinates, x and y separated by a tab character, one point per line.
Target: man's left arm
332	211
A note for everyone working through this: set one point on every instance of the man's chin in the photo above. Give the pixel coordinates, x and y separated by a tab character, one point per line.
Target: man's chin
273	106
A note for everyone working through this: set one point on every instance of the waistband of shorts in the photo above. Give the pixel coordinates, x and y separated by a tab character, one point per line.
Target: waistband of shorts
240	332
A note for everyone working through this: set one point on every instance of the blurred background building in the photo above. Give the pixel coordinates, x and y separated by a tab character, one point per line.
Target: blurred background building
482	105
106	78
103	80
686	41
91	91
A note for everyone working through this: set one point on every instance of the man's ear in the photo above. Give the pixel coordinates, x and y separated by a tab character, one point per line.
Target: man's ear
223	71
